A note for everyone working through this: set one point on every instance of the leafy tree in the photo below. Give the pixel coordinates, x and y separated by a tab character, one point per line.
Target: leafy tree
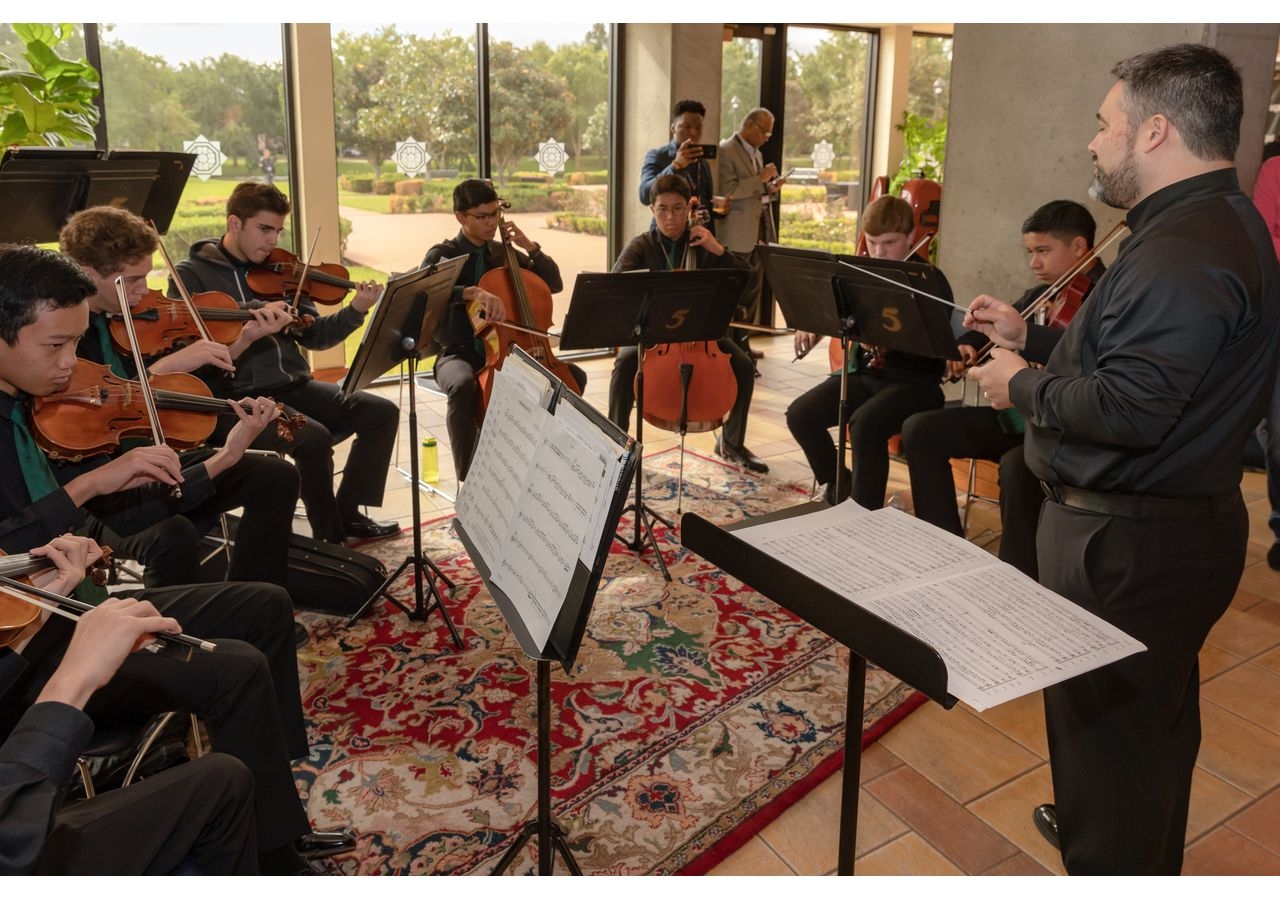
232	100
739	83
359	62
585	70
834	81
596	137
52	100
929	86
143	106
528	105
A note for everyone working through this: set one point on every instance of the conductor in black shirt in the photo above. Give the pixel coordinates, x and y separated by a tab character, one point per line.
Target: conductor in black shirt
1136	425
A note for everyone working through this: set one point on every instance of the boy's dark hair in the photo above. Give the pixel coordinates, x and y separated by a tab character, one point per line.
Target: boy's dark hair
1062	219
107	238
32	278
252	197
472	193
684	106
669	184
1195	87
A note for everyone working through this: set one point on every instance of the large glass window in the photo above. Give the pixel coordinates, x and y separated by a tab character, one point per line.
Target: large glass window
828	77
929	87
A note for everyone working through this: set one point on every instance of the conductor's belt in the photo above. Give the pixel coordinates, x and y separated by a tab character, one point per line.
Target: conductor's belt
1139	506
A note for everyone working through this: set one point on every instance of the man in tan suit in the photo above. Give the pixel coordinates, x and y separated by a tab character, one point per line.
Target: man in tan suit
749	185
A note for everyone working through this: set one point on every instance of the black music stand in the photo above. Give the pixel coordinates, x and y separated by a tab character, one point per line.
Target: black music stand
867	636
644	308
825	295
566	634
41	187
403	321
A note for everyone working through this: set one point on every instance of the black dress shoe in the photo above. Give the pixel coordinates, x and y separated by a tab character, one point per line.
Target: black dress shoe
741	456
361	526
1273	556
1045	817
319	844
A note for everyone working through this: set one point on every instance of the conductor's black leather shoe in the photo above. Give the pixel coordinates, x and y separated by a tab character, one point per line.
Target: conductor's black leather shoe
1273	556
320	844
740	456
361	526
1045	817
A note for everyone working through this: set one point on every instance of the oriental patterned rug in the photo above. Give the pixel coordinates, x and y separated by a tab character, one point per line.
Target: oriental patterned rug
695	713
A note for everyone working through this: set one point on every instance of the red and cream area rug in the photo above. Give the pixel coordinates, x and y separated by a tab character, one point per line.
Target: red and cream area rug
695	713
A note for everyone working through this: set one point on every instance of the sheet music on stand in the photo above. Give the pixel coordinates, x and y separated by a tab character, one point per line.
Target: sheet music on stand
999	633
541	502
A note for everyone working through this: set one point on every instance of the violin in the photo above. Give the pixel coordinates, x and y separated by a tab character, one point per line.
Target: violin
1063	309
99	409
16	614
526	302
689	386
283	276
164	325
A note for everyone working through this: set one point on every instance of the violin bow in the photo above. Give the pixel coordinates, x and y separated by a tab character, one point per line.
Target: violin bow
306	266
182	291
144	384
70	608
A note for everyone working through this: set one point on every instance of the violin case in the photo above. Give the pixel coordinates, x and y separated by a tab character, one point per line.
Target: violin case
323	577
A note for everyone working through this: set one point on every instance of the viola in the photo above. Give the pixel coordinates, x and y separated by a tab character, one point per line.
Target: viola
526	303
16	614
99	409
689	386
283	276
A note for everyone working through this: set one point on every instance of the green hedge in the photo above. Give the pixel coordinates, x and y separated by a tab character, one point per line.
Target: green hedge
578	224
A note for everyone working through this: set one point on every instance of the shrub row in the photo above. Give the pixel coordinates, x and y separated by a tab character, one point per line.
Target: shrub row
578	224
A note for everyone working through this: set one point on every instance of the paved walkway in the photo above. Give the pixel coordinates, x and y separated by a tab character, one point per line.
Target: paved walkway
396	243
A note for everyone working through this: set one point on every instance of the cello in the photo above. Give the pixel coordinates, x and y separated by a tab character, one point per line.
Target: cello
526	302
689	386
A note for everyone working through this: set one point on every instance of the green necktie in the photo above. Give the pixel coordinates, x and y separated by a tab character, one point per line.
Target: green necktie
109	354
41	483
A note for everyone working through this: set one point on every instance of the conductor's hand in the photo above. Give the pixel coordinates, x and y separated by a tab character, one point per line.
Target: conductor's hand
957	367
104	636
994	376
687	154
998	321
192	357
699	236
71	556
142	465
367	294
489	306
806	341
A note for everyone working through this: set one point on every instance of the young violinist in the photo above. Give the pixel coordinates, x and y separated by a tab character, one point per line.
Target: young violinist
664	247
1056	237
195	815
884	387
276	365
477	208
109	243
247	692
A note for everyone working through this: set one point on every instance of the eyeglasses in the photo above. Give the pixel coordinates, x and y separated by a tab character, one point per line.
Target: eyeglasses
483	217
767	134
671	211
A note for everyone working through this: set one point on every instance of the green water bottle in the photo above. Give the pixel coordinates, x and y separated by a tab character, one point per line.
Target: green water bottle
430	460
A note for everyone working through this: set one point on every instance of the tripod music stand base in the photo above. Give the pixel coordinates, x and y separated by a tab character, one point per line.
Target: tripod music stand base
644	529
530	830
424	571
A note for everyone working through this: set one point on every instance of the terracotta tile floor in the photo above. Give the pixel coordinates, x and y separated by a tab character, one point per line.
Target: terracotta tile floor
951	792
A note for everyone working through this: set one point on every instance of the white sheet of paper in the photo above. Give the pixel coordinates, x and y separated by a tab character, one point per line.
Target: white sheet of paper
546	536
512	429
1000	633
609	456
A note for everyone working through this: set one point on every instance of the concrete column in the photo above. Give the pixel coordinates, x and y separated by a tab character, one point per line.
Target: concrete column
1023	105
663	63
315	156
